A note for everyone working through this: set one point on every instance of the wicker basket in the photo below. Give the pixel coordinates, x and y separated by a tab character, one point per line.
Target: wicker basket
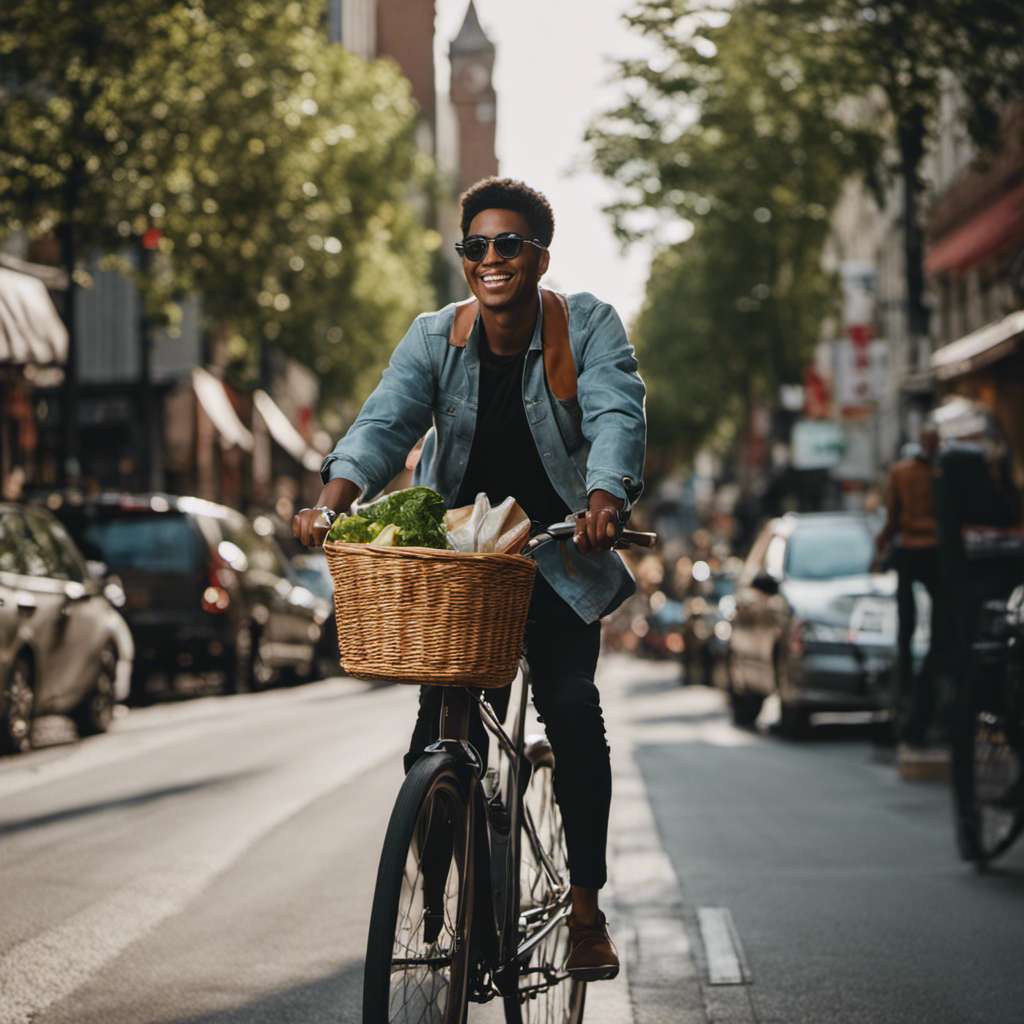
420	615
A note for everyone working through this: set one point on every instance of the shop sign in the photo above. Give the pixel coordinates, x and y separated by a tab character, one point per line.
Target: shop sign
817	444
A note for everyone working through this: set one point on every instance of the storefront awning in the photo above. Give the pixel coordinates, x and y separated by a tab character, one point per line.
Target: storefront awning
979	348
216	404
285	434
986	233
30	329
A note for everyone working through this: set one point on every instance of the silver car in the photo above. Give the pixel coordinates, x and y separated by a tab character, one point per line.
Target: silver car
64	648
812	623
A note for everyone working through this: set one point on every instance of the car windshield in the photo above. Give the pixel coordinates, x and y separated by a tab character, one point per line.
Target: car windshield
157	542
823	551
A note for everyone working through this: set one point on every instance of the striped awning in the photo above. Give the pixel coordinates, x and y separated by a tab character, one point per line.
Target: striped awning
31	331
217	406
979	348
285	434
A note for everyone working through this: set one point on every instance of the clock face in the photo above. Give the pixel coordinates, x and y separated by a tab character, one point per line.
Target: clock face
474	77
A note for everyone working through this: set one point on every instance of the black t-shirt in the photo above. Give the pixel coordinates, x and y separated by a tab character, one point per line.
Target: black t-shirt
504	460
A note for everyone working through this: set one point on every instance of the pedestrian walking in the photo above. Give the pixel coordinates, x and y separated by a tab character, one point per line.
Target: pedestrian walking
912	532
527	393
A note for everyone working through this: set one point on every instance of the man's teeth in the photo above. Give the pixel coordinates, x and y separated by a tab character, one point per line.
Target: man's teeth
488	278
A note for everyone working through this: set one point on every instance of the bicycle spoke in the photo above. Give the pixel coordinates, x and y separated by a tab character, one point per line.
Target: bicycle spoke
415	968
997	773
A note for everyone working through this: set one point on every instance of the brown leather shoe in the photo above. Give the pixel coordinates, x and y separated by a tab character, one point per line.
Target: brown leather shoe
592	956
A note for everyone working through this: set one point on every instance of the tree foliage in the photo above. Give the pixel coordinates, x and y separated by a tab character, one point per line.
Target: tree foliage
727	131
745	124
276	166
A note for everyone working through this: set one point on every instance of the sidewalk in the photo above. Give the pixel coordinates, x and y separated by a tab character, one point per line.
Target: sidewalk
666	946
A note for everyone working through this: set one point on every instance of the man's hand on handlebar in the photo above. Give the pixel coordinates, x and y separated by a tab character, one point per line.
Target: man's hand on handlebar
598	527
337	496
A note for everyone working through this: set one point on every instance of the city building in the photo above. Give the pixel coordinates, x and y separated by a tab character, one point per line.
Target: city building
152	410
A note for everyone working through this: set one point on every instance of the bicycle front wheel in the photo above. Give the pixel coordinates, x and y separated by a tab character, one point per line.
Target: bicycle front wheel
417	952
987	762
547	995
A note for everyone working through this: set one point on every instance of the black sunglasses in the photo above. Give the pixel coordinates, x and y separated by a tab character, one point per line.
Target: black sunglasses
508	245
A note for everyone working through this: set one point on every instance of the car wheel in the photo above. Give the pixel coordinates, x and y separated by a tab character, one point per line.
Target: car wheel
794	718
794	721
238	675
96	712
745	708
19	707
261	674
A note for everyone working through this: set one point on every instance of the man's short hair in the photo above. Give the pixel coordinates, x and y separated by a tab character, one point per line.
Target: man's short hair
509	194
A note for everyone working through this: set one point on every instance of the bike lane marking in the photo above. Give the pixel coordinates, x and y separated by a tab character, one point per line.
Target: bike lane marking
42	970
664	944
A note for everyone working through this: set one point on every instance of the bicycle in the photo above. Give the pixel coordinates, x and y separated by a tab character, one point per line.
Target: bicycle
472	888
988	735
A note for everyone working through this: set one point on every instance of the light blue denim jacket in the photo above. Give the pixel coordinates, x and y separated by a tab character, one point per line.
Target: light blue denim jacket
595	440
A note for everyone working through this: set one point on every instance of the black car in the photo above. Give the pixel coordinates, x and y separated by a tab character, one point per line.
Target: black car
311	568
64	648
204	592
706	628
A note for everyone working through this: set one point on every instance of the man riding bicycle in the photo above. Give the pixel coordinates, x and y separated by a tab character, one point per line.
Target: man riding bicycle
526	393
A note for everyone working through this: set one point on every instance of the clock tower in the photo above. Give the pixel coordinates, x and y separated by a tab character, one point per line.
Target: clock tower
472	61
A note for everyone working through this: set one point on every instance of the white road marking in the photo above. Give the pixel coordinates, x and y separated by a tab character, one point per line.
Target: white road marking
721	945
40	971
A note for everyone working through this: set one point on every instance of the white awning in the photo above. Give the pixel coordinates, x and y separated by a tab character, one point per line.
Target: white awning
216	404
30	329
979	348
285	434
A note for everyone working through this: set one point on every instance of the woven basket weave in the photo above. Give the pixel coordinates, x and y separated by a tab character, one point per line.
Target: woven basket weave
420	615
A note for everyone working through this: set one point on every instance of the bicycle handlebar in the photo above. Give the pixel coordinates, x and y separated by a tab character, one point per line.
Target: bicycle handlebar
557	531
563	531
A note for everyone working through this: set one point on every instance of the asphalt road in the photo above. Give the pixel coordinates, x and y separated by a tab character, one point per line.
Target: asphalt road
847	899
212	861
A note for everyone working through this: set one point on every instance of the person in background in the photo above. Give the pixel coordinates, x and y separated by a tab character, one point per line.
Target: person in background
911	530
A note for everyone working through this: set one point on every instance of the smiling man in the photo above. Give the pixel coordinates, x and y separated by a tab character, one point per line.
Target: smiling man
527	393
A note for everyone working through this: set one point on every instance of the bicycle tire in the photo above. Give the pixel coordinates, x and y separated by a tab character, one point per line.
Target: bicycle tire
418	946
547	995
987	764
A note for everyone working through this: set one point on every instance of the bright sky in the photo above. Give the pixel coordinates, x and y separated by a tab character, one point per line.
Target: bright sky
553	60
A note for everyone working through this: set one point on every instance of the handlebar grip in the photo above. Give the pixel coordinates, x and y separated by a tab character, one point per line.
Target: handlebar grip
319	530
639	538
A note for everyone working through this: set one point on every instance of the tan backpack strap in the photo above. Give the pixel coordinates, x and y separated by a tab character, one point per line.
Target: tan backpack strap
462	325
558	364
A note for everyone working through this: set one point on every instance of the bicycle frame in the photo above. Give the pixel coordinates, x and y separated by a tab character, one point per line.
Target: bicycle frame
503	851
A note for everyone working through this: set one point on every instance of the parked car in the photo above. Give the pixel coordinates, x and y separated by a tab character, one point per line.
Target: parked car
659	632
64	648
311	569
812	623
707	628
204	591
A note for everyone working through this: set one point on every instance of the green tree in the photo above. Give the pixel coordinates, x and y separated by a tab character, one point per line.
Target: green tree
728	131
277	167
907	52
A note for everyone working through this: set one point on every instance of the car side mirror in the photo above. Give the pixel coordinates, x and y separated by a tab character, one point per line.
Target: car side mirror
766	583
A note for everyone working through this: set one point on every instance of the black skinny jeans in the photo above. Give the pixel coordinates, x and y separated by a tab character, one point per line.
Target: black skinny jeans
562	651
